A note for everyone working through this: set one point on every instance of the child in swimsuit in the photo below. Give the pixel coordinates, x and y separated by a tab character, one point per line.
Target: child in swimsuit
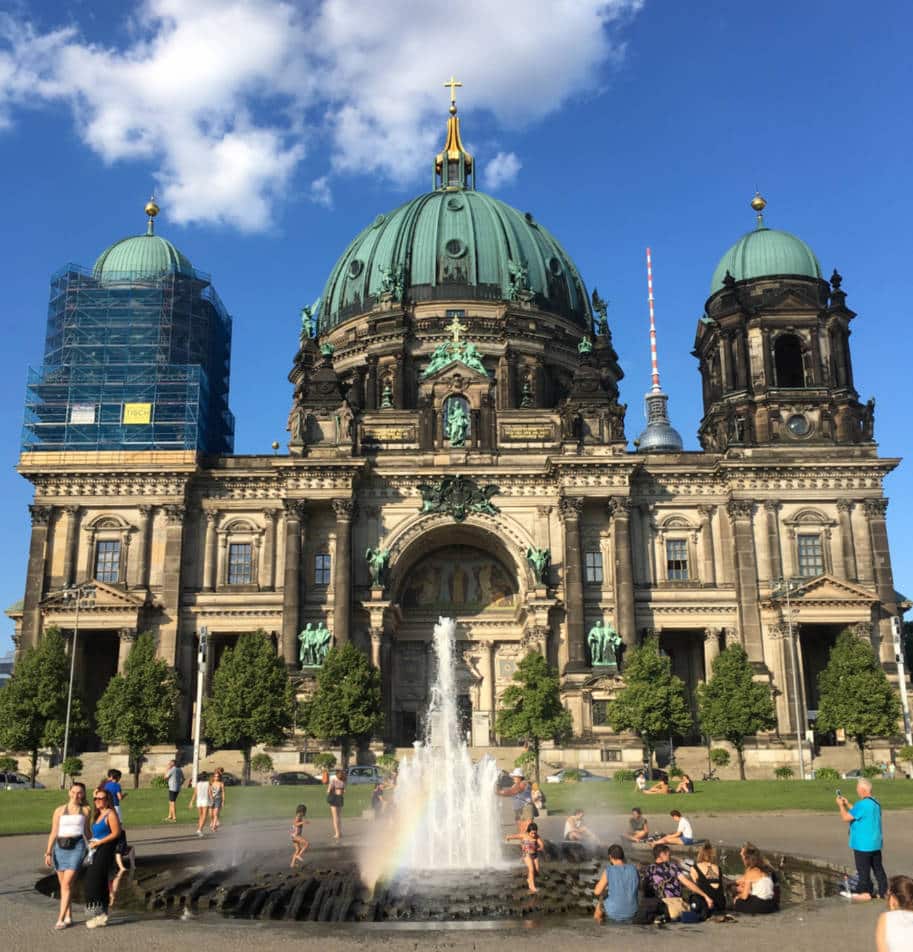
298	841
531	846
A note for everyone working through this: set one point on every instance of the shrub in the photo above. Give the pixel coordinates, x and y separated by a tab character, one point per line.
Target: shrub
325	761
624	776
784	773
261	763
720	757
571	775
11	765
71	767
905	754
159	782
676	772
872	772
827	773
388	764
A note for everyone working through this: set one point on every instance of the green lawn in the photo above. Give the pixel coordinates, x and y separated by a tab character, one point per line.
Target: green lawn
29	811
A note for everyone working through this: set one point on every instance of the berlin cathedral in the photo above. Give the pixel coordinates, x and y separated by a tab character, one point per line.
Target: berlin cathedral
457	445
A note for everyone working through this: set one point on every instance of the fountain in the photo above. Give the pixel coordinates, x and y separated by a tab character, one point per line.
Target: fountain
445	812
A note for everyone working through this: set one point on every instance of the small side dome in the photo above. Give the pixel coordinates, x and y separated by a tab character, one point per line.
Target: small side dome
766	252
141	257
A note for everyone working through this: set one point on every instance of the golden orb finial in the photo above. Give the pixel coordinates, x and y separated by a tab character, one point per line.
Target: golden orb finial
151	210
758	203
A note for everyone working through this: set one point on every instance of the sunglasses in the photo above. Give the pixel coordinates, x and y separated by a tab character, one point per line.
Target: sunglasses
99	798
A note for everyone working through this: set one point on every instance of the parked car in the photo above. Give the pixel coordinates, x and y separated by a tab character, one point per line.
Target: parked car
368	774
17	781
293	778
232	780
580	774
857	773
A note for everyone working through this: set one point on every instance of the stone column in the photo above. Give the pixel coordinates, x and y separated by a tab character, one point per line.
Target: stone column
68	576
708	566
377	642
862	543
268	564
844	518
775	566
142	544
342	570
291	591
746	578
875	510
222	558
711	649
127	637
169	633
619	512
569	510
90	553
210	551
34	582
371	383
487	694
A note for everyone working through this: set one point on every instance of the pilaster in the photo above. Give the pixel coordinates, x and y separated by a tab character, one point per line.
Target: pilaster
342	570
569	508
34	582
746	574
619	512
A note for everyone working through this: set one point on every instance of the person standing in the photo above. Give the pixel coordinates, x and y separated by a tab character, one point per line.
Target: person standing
112	785
336	789
67	847
522	795
619	882
201	797
864	818
217	796
174	776
105	833
894	932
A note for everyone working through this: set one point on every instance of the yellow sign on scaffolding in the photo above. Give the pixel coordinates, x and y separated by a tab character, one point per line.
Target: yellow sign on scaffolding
136	413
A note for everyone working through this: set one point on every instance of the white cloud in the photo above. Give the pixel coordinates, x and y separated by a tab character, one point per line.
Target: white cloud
225	98
501	170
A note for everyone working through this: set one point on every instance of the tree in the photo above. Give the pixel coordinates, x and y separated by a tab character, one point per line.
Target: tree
262	764
252	700
652	702
732	704
531	708
855	695
139	707
33	705
347	707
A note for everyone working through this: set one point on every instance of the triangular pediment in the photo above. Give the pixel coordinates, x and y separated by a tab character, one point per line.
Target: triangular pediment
827	588
457	366
106	596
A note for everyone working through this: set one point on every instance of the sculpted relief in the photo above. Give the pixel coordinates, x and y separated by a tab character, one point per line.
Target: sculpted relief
460	580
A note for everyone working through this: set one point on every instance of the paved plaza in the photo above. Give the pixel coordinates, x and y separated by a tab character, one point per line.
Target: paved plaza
27	918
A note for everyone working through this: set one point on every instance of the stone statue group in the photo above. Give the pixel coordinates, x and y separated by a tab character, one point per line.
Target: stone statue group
313	645
603	641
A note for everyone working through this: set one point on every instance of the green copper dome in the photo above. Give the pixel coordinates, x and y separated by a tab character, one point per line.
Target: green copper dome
763	253
141	257
454	244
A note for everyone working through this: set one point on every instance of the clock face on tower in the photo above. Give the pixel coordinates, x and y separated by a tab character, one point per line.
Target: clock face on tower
798	425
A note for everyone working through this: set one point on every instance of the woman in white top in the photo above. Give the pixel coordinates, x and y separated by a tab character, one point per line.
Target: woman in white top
755	891
894	932
202	797
67	847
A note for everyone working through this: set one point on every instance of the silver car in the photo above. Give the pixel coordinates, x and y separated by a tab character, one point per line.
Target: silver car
17	781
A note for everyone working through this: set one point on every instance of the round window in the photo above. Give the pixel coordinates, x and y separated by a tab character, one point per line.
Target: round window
798	425
454	204
355	268
455	248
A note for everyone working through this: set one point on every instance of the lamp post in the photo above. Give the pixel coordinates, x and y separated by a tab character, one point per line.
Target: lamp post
897	632
201	677
783	592
76	594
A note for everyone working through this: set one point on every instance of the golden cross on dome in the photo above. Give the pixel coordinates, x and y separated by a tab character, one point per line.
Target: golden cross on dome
456	328
454	84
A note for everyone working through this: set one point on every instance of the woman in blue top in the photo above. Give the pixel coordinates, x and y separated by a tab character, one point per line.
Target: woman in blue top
619	883
103	837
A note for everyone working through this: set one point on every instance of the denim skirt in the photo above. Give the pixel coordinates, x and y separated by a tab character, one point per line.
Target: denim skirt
69	859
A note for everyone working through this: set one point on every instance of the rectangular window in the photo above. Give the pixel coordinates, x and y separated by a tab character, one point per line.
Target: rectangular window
239	563
811	556
107	562
677	560
611	755
600	710
593	567
321	569
455	313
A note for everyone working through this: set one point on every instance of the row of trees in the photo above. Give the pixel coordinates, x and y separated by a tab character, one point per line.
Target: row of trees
253	702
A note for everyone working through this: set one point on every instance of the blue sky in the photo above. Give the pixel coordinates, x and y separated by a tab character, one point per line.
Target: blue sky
274	132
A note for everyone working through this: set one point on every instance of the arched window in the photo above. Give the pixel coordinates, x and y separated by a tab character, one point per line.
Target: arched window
788	366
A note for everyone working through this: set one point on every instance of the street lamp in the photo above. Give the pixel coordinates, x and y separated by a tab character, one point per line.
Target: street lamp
897	633
782	592
201	677
75	594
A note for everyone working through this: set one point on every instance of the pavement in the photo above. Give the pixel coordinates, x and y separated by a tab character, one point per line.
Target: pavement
27	918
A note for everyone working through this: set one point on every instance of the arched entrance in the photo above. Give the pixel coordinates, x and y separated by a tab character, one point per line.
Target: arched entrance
468	574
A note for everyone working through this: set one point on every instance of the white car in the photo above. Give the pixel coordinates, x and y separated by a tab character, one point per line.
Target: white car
583	776
17	781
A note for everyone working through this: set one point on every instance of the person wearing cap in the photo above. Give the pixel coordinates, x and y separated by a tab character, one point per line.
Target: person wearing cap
522	794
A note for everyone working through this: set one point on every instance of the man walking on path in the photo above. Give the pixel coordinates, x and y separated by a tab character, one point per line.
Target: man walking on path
864	818
175	777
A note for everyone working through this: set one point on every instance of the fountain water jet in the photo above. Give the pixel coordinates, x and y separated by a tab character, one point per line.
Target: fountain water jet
447	816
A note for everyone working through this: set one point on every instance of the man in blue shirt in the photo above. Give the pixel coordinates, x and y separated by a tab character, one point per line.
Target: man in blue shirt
864	818
620	882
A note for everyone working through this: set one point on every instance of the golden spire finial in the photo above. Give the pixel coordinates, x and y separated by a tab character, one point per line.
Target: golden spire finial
456	328
151	210
759	204
453	84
